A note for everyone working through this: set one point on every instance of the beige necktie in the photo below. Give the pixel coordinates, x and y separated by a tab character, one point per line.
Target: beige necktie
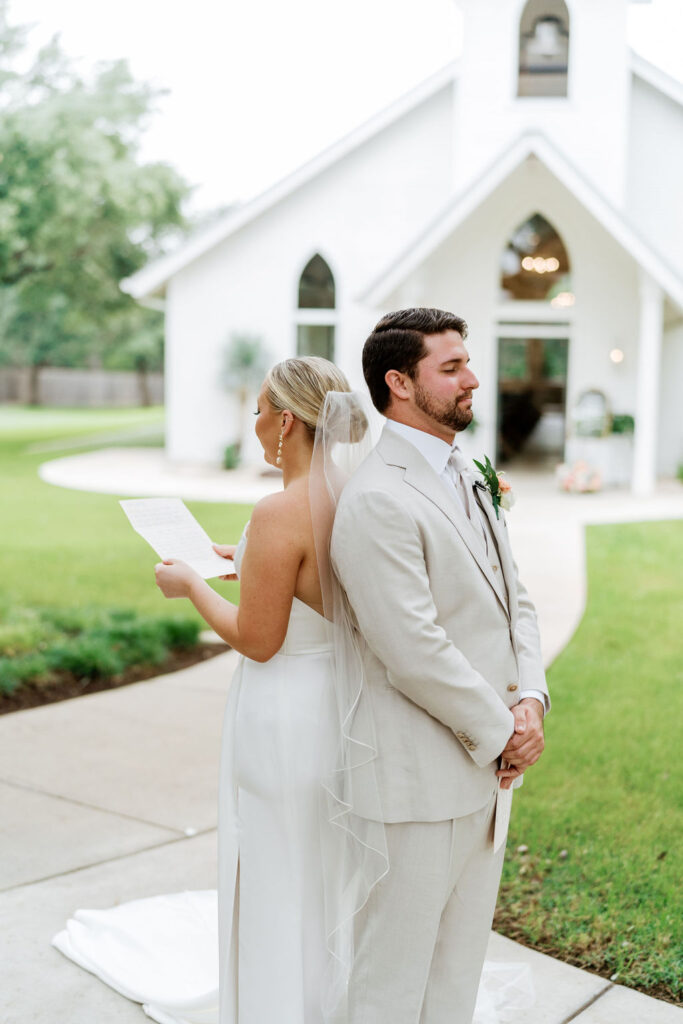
461	476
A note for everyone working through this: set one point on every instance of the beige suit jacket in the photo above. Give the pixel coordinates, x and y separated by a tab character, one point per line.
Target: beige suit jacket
446	644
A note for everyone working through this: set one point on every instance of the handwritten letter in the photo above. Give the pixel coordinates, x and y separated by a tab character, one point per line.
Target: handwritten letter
171	529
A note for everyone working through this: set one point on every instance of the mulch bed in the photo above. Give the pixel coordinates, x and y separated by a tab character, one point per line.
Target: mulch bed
67	686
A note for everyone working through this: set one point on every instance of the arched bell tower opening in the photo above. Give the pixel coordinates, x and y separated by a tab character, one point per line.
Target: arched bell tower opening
533	343
544	49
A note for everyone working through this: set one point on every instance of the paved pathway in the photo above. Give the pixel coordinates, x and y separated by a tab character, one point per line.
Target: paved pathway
113	796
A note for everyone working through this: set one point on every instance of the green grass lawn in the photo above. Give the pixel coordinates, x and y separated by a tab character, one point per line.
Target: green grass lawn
595	860
68	549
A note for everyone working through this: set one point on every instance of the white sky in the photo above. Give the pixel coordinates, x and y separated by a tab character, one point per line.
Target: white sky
259	86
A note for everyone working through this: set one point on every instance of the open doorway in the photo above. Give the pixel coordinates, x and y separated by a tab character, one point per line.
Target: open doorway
532	393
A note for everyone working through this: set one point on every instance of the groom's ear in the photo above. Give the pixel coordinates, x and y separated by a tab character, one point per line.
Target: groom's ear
398	384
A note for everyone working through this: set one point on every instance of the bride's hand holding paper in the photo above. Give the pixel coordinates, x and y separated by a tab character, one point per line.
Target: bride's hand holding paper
175	578
226	551
171	529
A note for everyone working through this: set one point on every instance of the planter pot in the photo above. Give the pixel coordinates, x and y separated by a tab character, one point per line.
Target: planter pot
612	456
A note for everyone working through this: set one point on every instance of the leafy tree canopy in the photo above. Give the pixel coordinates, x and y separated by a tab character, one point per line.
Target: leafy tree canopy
79	211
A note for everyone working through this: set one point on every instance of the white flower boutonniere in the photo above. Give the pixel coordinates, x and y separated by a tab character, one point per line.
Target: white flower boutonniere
497	486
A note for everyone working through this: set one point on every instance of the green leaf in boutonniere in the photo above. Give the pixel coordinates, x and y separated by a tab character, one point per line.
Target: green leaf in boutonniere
499	489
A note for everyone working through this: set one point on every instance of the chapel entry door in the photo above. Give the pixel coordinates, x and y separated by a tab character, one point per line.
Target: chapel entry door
532	393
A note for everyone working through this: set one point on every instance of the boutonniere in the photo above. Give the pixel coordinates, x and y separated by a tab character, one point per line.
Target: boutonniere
497	486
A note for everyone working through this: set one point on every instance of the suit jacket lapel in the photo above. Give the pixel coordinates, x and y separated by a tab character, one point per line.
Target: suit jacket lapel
396	451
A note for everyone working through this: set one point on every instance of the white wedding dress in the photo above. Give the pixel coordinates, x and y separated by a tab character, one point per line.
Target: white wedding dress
163	951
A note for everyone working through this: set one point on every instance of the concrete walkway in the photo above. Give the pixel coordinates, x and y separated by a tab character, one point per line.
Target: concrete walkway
113	796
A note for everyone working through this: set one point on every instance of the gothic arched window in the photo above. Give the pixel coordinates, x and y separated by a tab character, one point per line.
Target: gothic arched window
316	310
543	49
534	264
316	285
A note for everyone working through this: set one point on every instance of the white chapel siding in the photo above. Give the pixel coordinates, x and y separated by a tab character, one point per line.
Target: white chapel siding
359	213
670	448
655	171
462	274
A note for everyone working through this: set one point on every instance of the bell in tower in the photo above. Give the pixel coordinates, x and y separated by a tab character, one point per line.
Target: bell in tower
544	49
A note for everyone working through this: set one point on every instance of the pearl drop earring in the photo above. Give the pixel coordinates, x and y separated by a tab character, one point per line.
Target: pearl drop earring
278	460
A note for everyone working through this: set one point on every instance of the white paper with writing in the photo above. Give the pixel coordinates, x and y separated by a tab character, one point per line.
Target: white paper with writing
169	527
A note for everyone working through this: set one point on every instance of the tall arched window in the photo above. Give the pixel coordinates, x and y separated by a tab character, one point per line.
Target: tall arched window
543	49
316	317
534	264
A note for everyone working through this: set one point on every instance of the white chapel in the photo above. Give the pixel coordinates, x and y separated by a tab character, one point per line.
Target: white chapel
533	187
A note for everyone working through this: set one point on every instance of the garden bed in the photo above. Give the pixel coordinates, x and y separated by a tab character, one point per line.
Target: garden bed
66	685
70	557
51	654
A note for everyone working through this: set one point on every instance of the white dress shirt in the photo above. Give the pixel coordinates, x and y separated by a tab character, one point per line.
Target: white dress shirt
437	453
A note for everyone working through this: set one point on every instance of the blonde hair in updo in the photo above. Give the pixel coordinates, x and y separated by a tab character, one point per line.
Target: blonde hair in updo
300	385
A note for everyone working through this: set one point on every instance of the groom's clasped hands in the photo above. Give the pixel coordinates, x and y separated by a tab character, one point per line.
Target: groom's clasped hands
526	744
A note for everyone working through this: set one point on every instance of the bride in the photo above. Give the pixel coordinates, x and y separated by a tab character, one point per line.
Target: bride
295	863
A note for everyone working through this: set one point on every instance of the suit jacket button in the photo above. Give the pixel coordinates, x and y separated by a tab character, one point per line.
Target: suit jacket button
512	687
495	568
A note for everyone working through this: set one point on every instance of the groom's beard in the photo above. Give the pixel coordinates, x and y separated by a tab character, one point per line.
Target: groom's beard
450	414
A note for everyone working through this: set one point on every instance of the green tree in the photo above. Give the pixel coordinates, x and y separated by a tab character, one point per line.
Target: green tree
79	211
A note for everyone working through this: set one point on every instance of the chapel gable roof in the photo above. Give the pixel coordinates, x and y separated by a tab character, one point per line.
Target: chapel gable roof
151	279
657	78
148	283
528	146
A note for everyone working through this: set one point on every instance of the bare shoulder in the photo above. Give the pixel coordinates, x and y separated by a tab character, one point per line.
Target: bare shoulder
288	510
267	510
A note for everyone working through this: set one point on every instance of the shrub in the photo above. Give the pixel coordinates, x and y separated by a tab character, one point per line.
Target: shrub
231	456
14	672
39	646
140	643
23	632
69	621
86	656
623	423
180	632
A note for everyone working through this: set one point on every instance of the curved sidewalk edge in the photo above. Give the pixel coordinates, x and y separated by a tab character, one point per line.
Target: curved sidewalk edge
147	473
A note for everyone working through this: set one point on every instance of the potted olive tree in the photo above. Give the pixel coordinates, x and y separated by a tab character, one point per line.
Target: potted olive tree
245	364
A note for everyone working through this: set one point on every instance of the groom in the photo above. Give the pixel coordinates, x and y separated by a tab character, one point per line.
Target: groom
453	671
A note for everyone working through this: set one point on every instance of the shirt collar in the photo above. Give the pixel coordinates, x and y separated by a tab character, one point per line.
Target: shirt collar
431	448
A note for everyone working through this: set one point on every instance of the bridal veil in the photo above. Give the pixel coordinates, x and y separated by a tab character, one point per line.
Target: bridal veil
353	848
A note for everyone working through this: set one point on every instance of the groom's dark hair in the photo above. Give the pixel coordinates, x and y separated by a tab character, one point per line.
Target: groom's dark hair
397	343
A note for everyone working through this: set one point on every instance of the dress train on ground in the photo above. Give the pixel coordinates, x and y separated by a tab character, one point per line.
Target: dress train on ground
162	951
